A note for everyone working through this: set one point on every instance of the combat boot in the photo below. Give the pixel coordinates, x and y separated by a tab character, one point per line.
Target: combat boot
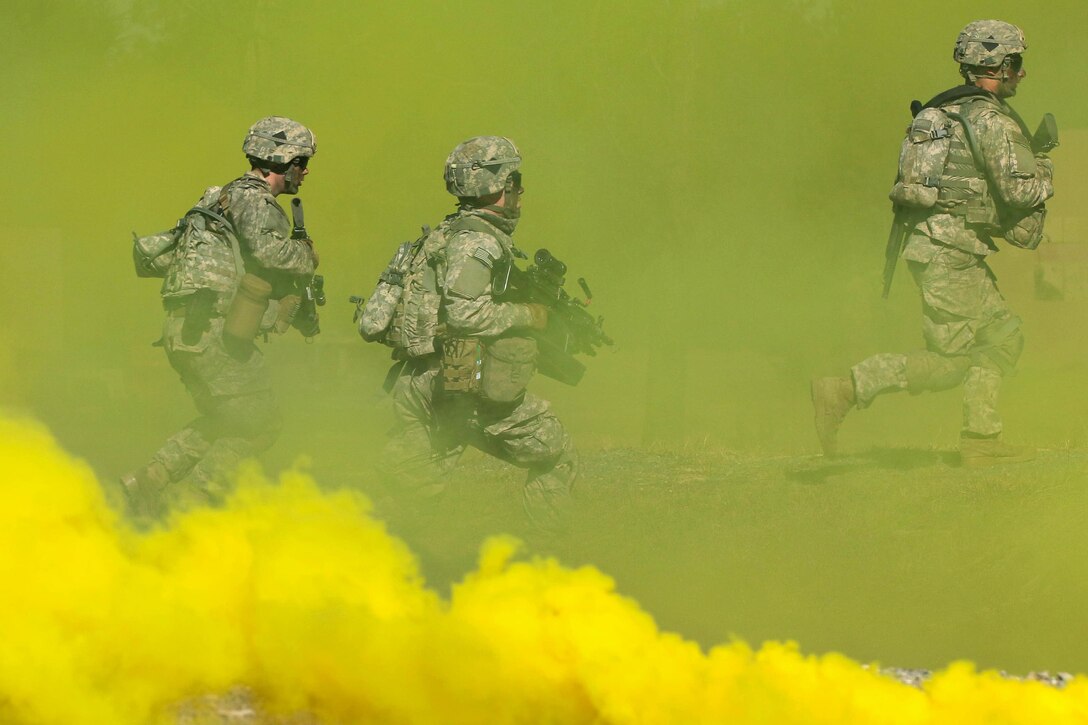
832	399
982	452
143	490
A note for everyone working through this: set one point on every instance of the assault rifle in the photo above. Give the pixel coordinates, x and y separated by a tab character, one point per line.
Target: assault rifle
313	293
902	222
571	330
1046	136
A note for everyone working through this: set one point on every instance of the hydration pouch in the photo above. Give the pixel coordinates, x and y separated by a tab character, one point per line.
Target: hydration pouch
461	364
247	308
508	365
153	254
922	159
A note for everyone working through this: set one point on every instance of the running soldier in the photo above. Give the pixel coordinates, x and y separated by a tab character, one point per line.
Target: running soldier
235	270
968	171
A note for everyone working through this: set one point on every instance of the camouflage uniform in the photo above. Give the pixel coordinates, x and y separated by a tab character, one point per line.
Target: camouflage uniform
435	424
971	335
226	376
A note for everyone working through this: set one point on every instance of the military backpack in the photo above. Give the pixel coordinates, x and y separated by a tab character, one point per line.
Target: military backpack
402	311
200	252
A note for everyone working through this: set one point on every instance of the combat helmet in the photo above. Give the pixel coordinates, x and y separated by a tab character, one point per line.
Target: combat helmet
480	166
987	43
279	140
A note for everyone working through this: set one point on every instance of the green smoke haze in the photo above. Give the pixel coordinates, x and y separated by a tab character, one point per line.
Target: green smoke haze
716	169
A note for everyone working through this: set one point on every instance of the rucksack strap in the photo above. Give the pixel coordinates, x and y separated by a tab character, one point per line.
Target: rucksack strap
228	228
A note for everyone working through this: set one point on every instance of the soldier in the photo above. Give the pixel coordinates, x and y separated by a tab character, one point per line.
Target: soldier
216	299
967	172
464	357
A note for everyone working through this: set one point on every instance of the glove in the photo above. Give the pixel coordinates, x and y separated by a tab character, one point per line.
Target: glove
308	322
540	315
285	314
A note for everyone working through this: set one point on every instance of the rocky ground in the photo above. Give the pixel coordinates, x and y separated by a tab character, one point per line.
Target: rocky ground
917	678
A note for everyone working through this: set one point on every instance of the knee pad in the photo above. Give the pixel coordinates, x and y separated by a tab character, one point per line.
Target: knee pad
932	371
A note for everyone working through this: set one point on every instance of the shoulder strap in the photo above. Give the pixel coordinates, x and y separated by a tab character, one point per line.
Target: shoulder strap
470	223
968	134
220	216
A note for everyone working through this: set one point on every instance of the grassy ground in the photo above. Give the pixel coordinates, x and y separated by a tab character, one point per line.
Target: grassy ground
894	555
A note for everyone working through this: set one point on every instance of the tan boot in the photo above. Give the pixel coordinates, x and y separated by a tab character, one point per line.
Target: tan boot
832	399
143	490
982	452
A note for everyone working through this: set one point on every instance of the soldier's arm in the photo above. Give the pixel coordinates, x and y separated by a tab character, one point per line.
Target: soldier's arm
265	233
1020	178
466	290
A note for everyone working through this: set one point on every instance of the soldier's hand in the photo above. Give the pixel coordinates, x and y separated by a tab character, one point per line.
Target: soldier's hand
308	324
540	315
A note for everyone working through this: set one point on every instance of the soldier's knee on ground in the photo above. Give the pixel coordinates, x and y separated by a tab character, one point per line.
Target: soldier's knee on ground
546	495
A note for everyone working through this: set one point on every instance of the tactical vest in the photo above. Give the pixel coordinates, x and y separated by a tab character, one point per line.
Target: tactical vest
497	370
940	167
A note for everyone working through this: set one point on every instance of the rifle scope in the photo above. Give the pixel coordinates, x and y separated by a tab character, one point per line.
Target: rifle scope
549	264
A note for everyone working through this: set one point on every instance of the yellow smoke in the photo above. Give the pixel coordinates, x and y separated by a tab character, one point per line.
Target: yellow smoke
303	597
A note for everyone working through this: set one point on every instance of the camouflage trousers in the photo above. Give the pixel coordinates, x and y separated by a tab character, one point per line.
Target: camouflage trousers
972	338
239	416
432	431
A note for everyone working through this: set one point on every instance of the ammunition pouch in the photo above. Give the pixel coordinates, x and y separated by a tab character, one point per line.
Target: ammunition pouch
461	364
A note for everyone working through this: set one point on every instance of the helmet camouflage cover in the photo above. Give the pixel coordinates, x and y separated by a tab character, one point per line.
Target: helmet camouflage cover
279	140
986	43
480	166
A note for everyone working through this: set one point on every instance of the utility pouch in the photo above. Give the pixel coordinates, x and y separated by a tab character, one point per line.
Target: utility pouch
508	365
461	363
1024	228
247	308
198	314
